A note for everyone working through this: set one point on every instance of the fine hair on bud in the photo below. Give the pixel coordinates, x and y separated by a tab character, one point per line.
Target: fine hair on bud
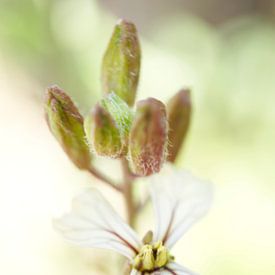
107	127
179	110
148	137
102	133
66	124
121	63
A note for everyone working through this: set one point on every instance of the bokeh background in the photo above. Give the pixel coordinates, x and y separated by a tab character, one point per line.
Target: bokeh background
224	50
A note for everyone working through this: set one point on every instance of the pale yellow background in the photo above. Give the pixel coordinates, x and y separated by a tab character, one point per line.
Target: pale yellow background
229	65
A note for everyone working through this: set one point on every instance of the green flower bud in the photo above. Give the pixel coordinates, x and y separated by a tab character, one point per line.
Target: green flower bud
148	137
66	124
121	62
179	115
107	127
102	133
121	113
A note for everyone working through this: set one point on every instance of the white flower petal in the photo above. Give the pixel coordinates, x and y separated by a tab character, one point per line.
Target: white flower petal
162	272
179	270
135	272
179	200
92	222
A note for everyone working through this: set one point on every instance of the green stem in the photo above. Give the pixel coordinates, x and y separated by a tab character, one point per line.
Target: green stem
128	192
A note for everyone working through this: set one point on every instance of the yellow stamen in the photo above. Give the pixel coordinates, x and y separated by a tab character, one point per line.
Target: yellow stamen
152	257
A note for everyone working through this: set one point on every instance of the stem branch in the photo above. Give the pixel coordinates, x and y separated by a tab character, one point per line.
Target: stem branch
103	178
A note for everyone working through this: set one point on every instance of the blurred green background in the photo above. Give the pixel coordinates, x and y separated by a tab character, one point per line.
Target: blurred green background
224	50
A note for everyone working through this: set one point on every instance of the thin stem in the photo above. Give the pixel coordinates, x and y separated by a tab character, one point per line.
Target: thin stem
104	179
128	192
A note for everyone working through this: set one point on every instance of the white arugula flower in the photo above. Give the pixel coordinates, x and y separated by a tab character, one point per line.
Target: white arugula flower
179	200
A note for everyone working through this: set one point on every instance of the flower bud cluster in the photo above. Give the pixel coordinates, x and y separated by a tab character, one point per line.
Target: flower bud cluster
146	133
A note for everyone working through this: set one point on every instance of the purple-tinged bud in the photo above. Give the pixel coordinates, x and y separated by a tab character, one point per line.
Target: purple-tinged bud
148	137
121	63
179	115
66	124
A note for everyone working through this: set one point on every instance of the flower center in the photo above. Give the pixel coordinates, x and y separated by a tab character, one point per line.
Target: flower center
152	257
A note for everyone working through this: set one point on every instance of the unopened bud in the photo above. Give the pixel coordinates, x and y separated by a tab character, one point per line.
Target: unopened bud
148	137
121	62
121	113
107	127
179	115
66	124
102	133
